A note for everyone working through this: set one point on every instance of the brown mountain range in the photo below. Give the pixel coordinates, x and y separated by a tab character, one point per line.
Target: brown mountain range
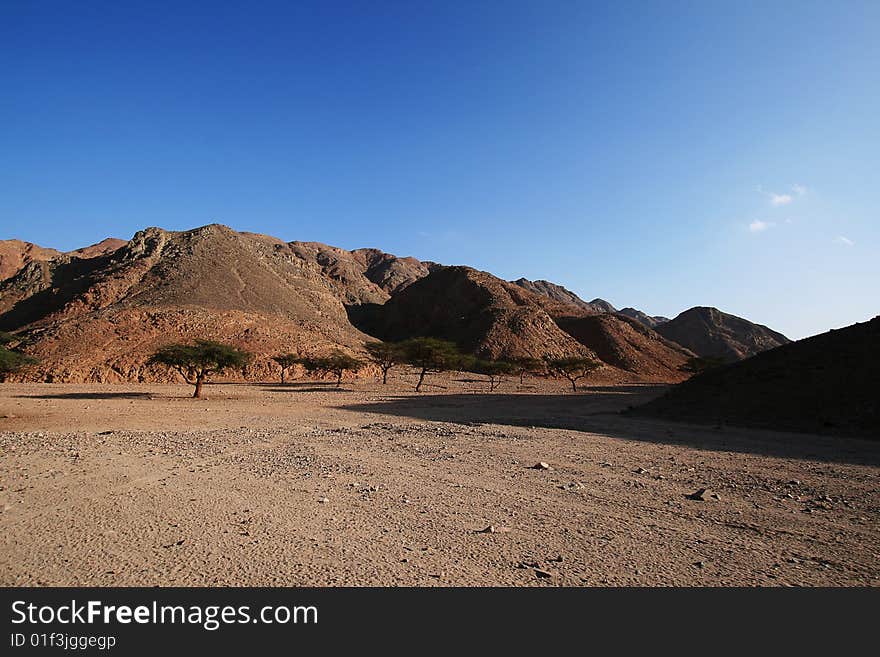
96	314
823	384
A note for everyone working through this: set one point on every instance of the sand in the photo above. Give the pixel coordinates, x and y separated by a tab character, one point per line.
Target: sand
301	484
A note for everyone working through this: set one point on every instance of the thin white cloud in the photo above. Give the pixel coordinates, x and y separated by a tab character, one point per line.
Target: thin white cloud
758	226
845	241
780	199
777	200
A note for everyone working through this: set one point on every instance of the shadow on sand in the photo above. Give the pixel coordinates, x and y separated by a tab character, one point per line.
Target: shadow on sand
600	413
91	395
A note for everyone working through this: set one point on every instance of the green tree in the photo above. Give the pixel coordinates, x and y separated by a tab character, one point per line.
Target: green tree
495	370
697	364
526	365
285	361
384	354
430	355
12	360
195	362
337	363
572	368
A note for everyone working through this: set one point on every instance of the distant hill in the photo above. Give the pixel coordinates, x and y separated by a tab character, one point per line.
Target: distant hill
555	292
825	384
710	333
642	317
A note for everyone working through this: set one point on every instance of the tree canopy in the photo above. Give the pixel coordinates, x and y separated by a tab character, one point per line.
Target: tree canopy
384	354
572	368
430	355
196	361
337	363
286	361
495	370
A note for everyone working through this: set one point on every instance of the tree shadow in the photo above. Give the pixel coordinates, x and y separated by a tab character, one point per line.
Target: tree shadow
90	395
601	414
331	388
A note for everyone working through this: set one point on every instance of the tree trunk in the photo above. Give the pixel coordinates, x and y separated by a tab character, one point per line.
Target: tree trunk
521	375
199	379
338	379
421	378
384	375
573	385
282	375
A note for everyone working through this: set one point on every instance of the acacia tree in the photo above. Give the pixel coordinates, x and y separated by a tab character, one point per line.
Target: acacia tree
337	363
384	354
285	361
494	369
572	368
430	355
12	360
527	365
195	362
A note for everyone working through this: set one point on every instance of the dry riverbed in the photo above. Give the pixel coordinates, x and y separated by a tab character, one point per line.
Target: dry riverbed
302	484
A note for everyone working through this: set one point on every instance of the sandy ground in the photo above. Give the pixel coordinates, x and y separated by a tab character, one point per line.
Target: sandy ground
305	485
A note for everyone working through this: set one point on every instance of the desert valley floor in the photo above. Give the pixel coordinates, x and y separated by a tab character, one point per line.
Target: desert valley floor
302	484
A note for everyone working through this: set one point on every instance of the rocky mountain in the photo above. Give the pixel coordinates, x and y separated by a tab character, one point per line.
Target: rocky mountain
602	306
710	333
556	292
98	319
642	317
823	384
15	255
481	313
95	314
363	275
629	345
495	318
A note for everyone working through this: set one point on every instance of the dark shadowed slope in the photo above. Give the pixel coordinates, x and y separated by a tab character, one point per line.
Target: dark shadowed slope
823	384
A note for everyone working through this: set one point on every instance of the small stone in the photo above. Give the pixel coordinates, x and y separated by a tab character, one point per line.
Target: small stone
543	574
702	495
541	466
323	500
640	471
493	529
700	564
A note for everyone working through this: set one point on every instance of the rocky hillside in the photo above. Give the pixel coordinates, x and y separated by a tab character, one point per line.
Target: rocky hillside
496	319
99	318
629	345
824	384
15	255
95	314
481	313
642	317
556	293
364	275
710	333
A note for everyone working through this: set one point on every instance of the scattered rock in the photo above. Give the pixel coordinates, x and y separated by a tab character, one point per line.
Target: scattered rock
543	574
541	466
703	495
323	500
493	529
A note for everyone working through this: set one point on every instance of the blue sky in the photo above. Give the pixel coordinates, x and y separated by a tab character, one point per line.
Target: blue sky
657	154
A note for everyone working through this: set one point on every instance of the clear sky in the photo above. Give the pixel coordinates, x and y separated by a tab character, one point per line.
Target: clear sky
657	154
